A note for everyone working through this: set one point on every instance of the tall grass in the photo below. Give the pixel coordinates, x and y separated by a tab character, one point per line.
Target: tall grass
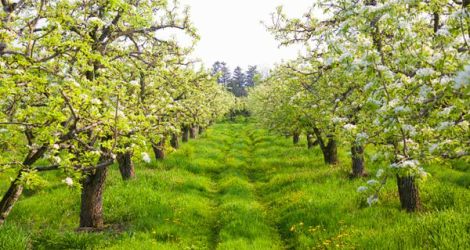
238	187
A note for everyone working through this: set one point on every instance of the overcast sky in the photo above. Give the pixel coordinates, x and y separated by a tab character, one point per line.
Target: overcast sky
231	31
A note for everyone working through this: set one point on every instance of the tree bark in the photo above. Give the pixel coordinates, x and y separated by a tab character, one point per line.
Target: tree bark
330	152
357	156
174	141
409	193
159	149
10	198
91	210
295	138
193	132
126	166
16	189
185	136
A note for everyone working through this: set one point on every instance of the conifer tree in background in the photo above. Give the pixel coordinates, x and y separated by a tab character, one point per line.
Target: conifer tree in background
251	76
223	71
237	83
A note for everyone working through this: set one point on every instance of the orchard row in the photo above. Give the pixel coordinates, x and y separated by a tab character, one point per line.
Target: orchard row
84	84
391	75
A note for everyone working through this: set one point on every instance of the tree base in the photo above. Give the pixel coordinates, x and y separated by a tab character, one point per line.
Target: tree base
409	193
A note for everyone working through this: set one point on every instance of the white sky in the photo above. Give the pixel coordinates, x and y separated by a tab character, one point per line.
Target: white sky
231	31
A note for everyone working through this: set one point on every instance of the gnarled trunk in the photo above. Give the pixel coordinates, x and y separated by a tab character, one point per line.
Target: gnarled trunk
185	136
126	166
16	189
159	149
174	141
9	199
357	156
193	132
91	209
296	138
409	193
330	152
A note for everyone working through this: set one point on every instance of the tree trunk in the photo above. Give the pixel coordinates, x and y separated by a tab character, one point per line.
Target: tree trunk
10	198
311	142
91	210
201	130
330	152
409	193
159	149
185	134
16	189
193	132
126	166
174	141
357	156
295	138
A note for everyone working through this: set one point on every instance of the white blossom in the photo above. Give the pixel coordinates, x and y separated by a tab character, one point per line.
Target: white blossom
410	129
95	101
68	181
406	164
3	130
433	147
444	125
393	102
379	174
329	61
134	83
361	137
425	72
464	124
424	92
372	182
146	157
349	127
445	80
361	189
382	68
96	21
338	119
57	159
345	56
401	109
368	86
421	173
372	199
463	78
446	111
410	163
443	31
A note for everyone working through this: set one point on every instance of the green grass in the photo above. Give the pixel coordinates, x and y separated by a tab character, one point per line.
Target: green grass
237	187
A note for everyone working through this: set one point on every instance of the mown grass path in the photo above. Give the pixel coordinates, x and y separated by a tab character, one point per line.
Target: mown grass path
238	187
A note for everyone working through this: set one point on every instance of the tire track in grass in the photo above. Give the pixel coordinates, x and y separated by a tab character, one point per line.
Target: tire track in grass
252	171
243	222
215	177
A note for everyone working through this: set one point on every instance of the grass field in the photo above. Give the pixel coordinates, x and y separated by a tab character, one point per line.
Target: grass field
237	187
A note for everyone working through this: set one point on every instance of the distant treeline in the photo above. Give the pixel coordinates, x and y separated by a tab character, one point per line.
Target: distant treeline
238	81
